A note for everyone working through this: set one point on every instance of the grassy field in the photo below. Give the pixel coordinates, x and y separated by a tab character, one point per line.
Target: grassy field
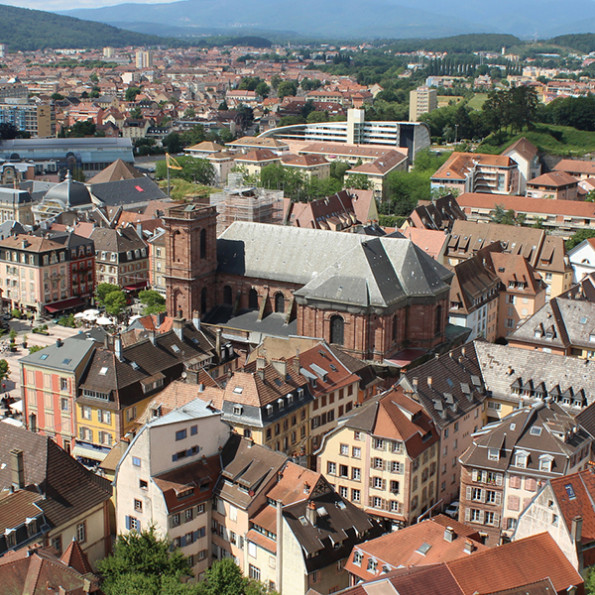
548	138
477	101
183	190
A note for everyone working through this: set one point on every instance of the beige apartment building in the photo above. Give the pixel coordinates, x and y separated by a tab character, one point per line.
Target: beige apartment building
384	459
422	101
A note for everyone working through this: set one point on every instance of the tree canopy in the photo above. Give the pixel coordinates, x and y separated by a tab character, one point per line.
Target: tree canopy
578	237
153	301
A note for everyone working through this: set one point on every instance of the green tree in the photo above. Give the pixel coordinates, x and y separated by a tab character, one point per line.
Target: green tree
315	116
223	106
198	171
286	89
172	143
262	89
338	169
131	93
358	181
189	113
103	289
153	301
56	96
578	237
141	564
507	217
115	303
276	81
4	369
81	129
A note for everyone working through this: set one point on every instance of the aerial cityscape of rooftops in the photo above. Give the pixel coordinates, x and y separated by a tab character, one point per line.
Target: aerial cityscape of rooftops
297	304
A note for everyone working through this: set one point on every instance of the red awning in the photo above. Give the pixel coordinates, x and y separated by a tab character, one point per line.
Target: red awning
64	305
135	286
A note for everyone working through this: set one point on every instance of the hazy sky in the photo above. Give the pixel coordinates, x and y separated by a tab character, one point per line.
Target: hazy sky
66	5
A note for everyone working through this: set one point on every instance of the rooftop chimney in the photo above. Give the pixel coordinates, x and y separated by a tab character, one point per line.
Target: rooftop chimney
311	513
469	547
118	347
218	334
17	468
59	343
178	326
449	534
280	366
260	362
577	529
152	336
196	319
429	381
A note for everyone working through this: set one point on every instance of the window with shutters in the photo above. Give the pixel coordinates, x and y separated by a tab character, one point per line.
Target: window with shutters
377	502
490	518
530	484
356	474
476	516
477	494
394	487
491	496
344	450
514	503
356	452
378	443
331	468
396	467
377	463
515	481
377	483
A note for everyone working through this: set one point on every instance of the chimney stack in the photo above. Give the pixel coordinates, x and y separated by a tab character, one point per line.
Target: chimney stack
469	547
449	534
260	362
59	343
280	366
196	319
118	347
429	381
17	468
218	334
311	513
178	326
577	529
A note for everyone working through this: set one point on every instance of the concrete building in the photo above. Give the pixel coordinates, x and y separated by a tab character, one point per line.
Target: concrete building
422	101
39	120
413	136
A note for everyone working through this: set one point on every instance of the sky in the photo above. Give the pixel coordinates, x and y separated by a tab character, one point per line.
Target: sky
53	5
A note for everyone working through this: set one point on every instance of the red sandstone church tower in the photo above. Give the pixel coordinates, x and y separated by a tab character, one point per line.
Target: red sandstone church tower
191	244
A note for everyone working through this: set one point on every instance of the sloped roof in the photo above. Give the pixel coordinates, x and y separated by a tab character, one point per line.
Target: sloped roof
69	488
553	179
348	268
118	170
127	191
579	166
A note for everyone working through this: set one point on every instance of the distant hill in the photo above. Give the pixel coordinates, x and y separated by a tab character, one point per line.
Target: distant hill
352	19
584	42
24	29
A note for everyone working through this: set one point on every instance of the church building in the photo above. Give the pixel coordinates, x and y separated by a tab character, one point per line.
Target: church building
374	296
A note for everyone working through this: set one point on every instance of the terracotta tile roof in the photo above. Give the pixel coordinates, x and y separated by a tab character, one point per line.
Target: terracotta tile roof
525	204
257	156
583	488
518	563
18	506
39	572
576	166
74	557
118	170
431	241
458	164
295	483
381	166
402	548
522	146
30	243
554	179
200	476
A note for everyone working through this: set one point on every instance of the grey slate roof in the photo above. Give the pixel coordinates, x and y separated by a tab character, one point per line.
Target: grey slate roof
557	437
348	268
128	192
568	321
502	366
65	357
14	196
70	193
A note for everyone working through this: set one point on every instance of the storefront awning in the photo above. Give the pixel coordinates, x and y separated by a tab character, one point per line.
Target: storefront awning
135	286
64	305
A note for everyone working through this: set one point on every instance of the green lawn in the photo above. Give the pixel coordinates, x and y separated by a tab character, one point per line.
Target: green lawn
548	138
477	101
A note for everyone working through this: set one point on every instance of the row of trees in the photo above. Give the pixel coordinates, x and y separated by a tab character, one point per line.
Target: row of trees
114	300
197	171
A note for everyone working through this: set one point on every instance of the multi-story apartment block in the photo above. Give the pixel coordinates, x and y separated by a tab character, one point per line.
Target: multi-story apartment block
121	257
282	523
451	391
478	172
44	274
384	458
474	295
421	101
269	405
509	460
167	476
563	326
39	120
49	384
545	253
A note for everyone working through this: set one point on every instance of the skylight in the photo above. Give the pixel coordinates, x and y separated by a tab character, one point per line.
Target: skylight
103	371
238	390
43	356
570	491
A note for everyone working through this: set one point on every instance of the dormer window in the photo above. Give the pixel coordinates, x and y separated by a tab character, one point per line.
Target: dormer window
545	463
237	410
281	403
493	454
269	409
520	458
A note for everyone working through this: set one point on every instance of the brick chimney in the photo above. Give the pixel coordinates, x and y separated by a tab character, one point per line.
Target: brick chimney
449	534
17	469
311	513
